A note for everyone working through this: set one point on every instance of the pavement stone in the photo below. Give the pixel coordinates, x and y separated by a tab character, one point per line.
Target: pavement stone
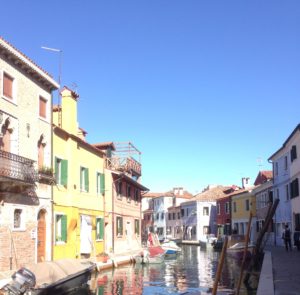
286	271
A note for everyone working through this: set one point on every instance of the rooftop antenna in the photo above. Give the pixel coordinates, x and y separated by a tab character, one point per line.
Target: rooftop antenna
259	163
59	77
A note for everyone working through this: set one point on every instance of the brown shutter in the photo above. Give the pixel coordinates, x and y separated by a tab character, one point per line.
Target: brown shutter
7	86
43	103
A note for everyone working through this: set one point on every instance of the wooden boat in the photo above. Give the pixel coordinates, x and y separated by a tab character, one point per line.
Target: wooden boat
53	277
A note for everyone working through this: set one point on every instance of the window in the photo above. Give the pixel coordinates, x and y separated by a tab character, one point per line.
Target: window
136	196
174	216
247	205
162	216
119	226
99	228
276	168
169	216
205	211
18	219
287	192
218	209
227	207
297	221
84	179
182	212
206	230
120	189
178	215
128	193
41	153
293	153
294	188
100	183
271	196
137	227
285	163
60	228
42	107
61	171
234	206
157	216
8	89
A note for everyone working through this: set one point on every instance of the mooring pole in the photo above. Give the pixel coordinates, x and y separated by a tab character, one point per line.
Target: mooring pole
220	266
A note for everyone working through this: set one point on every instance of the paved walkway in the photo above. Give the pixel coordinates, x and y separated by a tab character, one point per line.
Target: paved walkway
286	271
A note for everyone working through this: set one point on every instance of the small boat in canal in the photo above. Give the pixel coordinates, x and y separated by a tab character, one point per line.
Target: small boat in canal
50	277
170	248
237	250
153	254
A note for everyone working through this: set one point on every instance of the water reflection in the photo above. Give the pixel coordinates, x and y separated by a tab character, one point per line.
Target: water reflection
192	272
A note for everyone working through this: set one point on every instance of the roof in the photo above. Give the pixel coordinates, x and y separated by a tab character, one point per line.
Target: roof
263	176
79	140
184	195
212	194
74	94
285	143
23	61
104	145
130	180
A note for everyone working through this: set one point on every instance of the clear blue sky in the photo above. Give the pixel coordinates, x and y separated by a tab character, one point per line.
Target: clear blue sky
202	88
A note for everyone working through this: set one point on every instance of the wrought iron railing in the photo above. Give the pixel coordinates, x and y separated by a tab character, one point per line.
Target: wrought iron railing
17	168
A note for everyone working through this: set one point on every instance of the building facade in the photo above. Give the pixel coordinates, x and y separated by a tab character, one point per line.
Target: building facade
79	193
25	159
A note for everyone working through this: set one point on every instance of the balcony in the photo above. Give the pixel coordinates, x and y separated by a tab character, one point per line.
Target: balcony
16	169
124	159
46	175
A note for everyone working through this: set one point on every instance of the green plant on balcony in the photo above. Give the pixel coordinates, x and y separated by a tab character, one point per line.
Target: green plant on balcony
46	170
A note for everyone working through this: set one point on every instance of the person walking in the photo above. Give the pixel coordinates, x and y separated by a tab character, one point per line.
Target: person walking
286	235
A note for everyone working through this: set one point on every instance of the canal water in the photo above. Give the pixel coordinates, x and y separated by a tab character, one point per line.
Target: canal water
192	272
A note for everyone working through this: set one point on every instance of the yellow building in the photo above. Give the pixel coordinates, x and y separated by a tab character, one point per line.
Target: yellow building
243	202
78	196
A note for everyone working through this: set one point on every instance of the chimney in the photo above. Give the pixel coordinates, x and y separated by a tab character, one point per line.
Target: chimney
175	190
180	191
245	182
69	111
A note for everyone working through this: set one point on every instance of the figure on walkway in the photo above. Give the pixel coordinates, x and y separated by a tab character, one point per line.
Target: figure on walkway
297	238
286	235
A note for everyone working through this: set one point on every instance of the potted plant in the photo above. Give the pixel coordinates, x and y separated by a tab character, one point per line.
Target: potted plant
102	257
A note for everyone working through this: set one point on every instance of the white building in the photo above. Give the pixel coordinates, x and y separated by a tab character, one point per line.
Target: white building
25	159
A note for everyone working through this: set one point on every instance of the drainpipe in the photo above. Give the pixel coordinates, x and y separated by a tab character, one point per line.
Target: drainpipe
113	211
275	225
51	201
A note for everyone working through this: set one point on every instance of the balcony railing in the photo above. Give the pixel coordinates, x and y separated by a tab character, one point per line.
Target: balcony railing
126	158
128	165
17	168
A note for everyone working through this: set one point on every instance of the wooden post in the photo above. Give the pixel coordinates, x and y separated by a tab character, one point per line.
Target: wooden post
244	255
220	266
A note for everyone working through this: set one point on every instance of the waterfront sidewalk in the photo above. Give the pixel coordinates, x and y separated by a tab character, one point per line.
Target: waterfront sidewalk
286	274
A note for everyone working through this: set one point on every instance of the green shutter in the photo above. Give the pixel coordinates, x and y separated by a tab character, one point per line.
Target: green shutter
101	228
64	172
56	170
102	183
86	179
121	225
64	228
81	184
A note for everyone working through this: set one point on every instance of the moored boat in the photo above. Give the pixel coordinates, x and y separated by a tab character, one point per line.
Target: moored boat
170	247
53	277
237	250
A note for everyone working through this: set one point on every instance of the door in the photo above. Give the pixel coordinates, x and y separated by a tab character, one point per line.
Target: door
128	234
41	236
86	235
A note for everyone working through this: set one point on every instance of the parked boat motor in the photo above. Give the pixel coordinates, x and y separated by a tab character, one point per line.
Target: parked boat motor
23	280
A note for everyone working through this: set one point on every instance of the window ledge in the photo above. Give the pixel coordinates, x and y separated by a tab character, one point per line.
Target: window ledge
60	243
99	240
11	100
21	229
46	120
